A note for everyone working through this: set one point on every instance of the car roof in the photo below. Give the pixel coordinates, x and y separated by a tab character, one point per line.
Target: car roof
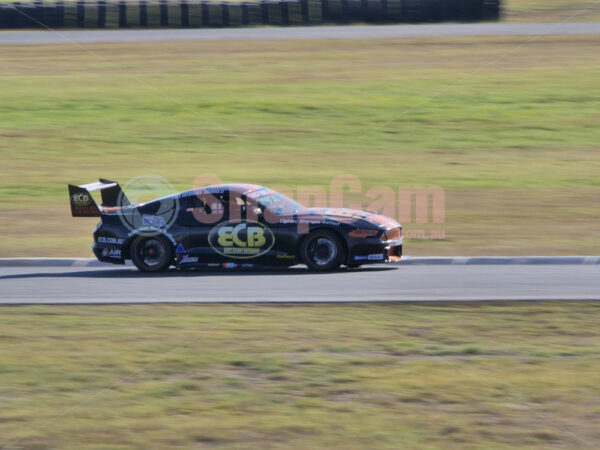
240	188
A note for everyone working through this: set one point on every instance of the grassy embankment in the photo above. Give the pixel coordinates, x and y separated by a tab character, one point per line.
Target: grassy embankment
379	376
509	130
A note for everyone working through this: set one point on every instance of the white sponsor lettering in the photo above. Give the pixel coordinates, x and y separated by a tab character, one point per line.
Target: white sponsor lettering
189	259
109	240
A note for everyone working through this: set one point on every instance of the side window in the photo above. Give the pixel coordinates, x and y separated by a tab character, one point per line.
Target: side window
202	209
253	210
217	207
187	206
237	208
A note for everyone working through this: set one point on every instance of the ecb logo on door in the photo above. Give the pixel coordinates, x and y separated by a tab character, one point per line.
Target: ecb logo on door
241	240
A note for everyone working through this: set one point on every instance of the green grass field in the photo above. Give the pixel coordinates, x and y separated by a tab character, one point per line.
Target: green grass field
508	127
551	10
345	376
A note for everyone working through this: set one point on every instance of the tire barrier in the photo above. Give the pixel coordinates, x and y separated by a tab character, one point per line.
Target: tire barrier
186	13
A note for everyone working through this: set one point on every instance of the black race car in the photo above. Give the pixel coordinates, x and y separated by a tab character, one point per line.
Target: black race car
232	225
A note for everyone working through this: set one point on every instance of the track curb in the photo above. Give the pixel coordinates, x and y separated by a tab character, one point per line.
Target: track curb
407	261
502	260
51	262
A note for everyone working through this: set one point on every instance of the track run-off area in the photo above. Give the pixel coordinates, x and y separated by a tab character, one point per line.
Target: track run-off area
68	281
315	32
417	279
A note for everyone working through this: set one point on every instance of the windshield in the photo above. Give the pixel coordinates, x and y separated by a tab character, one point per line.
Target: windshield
274	202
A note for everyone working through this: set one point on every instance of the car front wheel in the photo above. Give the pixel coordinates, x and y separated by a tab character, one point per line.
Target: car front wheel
322	250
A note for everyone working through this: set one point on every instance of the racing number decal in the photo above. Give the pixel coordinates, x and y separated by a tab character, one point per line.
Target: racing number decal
241	239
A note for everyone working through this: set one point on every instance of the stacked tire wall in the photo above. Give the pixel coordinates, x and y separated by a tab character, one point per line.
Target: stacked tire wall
184	14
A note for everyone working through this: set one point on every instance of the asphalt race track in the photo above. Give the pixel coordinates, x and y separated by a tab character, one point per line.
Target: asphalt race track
418	280
315	32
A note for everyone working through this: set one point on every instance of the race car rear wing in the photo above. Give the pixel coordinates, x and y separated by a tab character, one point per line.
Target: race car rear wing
84	205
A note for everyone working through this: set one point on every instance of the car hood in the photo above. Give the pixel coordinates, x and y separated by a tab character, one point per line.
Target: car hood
351	216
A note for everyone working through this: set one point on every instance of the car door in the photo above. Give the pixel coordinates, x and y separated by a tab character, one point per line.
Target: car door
242	237
279	219
200	213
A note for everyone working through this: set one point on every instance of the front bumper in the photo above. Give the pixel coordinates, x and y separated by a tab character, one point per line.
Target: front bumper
394	252
375	252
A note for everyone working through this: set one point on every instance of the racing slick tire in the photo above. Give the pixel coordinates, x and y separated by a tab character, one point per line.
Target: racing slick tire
151	253
322	251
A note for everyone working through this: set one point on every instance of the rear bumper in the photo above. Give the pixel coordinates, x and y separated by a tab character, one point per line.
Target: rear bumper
108	253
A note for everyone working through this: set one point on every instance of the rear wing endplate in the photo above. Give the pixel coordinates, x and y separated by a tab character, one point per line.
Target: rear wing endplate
84	205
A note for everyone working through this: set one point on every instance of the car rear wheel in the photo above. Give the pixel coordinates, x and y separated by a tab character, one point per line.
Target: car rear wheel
322	250
151	253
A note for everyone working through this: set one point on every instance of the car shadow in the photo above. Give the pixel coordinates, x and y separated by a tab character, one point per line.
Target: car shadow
178	273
